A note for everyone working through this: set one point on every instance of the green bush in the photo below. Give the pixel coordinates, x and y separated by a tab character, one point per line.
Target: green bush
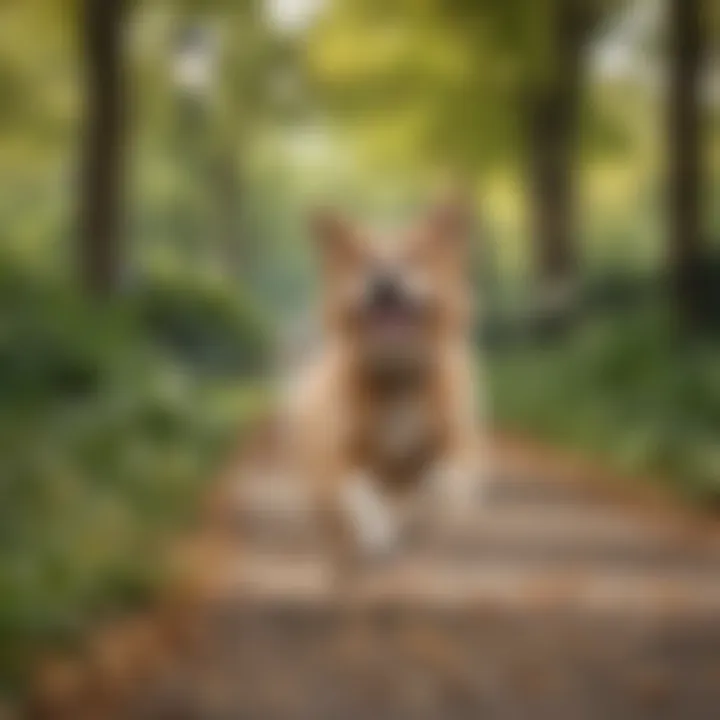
112	418
624	387
205	325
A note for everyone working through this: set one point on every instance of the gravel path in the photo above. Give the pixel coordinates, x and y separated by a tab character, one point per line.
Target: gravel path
564	601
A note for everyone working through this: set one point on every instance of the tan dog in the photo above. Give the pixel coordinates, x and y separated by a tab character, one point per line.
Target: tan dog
385	416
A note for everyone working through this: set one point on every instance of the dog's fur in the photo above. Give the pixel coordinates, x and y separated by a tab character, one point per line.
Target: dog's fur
385	416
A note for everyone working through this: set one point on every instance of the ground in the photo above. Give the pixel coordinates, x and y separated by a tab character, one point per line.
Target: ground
567	598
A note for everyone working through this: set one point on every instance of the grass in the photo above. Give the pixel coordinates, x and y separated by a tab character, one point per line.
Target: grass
625	388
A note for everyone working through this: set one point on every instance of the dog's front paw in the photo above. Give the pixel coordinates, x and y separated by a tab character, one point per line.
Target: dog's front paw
370	517
457	490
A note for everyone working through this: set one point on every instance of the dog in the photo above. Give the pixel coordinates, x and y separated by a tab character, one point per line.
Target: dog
383	419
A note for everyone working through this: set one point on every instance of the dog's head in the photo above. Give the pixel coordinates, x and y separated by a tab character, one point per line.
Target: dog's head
395	298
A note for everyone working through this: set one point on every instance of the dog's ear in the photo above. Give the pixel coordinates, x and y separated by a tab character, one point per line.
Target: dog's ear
445	229
337	239
449	222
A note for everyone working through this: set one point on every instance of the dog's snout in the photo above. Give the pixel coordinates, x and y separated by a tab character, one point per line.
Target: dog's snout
385	292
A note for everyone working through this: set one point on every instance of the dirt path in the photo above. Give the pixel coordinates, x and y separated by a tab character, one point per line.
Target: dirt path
566	600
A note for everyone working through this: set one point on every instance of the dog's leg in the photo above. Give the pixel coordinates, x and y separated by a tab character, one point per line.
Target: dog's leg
456	480
370	515
458	475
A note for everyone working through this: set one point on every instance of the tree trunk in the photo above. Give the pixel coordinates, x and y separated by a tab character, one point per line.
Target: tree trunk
103	145
552	130
551	185
685	182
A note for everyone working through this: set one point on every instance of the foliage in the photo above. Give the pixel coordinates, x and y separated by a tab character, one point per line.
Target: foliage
111	422
446	84
625	387
205	325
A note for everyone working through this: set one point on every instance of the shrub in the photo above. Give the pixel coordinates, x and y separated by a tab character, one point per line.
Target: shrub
625	388
205	325
112	418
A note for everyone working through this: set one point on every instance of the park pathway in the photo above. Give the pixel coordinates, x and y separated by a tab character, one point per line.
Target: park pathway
568	599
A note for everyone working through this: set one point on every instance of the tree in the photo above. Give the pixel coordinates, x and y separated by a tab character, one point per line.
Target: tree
102	31
227	112
485	83
551	109
685	181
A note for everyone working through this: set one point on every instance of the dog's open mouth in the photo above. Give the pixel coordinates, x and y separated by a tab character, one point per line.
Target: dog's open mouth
393	324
